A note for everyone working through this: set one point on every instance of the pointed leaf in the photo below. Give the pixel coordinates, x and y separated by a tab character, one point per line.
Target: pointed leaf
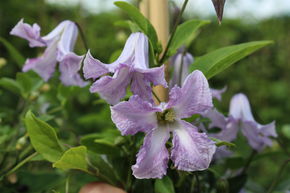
141	21
11	85
220	59
14	53
184	34
164	185
43	138
74	158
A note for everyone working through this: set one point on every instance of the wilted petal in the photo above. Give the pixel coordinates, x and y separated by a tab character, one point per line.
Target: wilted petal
69	68
44	65
134	116
240	108
67	40
217	93
153	156
191	151
193	98
258	136
28	32
112	89
180	64
219	8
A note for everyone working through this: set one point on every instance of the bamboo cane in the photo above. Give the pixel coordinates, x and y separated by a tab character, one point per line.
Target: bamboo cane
157	12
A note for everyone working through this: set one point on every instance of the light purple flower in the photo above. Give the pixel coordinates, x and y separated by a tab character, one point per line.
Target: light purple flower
257	135
241	118
60	43
131	67
180	63
191	151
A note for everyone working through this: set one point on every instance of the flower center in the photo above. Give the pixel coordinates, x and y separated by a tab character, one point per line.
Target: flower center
167	116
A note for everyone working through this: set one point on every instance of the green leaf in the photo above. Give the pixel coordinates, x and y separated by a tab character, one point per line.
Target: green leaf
164	185
220	59
14	53
103	143
185	34
43	138
74	158
11	85
141	21
29	82
219	142
237	183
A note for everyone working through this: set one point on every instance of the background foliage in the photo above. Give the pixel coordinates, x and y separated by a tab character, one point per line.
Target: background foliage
263	76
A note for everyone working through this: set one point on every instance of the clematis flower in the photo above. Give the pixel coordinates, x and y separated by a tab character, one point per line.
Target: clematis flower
131	67
191	151
241	118
181	62
258	135
59	45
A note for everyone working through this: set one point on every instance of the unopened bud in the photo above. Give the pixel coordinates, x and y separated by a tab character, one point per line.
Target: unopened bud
20	143
45	88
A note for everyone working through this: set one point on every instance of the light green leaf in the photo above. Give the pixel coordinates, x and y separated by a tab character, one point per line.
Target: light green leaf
103	143
29	82
43	138
14	53
220	59
74	158
141	21
185	34
11	85
164	185
219	143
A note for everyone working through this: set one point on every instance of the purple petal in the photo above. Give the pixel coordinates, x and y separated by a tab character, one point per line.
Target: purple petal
141	51
153	156
180	64
28	32
191	151
134	116
69	68
55	34
67	40
193	98
258	136
217	93
44	65
112	89
93	68
229	127
240	108
142	78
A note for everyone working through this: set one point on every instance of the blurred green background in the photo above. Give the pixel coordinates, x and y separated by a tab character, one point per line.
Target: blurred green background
264	77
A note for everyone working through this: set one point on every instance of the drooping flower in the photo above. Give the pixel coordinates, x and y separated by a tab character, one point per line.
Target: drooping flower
180	63
132	67
258	135
59	45
191	151
241	118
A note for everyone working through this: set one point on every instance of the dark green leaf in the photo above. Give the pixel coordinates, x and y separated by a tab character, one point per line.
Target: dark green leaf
237	183
164	185
220	59
43	138
14	53
185	34
73	158
11	85
235	162
141	21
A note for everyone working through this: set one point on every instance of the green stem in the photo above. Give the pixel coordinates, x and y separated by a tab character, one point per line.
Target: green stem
21	163
155	95
279	174
82	36
197	182
173	32
249	161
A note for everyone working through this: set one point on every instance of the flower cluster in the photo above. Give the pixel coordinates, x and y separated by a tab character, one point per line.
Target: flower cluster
190	149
